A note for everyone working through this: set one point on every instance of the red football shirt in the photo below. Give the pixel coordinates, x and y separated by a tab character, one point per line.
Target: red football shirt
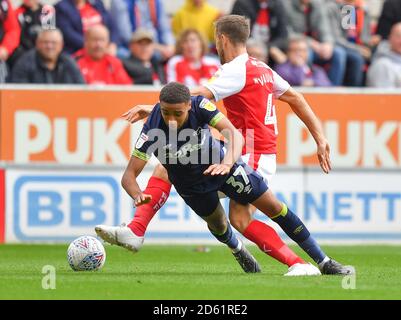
248	88
108	70
89	16
191	74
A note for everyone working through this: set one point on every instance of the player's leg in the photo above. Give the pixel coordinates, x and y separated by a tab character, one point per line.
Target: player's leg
245	186
159	188
265	165
264	236
208	207
218	225
297	231
241	217
131	237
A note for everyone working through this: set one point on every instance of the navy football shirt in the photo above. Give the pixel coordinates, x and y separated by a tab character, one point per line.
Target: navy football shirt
186	152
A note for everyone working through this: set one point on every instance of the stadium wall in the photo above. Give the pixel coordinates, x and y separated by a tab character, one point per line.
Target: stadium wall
63	152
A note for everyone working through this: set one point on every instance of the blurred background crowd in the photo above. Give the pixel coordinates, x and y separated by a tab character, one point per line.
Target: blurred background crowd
315	43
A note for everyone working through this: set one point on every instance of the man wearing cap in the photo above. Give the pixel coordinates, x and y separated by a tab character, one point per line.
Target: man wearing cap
141	66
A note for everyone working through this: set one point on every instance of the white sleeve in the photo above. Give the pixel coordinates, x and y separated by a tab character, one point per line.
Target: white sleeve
171	69
280	86
228	80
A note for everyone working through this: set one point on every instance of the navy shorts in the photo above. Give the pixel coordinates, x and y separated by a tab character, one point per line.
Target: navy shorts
244	185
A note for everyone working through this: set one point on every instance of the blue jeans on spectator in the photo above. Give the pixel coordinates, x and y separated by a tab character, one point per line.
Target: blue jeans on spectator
346	66
338	62
354	71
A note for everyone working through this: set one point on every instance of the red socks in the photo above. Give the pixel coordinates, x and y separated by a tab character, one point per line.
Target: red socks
159	190
258	232
270	243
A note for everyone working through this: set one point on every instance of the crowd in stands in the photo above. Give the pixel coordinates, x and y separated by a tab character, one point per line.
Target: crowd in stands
318	43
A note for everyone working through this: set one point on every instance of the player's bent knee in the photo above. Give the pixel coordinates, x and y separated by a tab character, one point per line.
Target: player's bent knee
240	223
160	172
218	223
240	216
218	227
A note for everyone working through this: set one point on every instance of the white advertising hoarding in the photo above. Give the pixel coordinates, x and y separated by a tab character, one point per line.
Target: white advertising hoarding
58	204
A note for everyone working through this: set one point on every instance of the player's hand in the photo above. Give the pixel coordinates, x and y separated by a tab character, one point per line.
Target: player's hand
138	112
218	169
323	154
142	199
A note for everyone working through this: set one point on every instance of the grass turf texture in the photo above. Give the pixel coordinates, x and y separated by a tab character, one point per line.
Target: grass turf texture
179	272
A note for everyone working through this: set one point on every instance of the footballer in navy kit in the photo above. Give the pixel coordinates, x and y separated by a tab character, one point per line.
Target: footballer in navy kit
199	166
187	151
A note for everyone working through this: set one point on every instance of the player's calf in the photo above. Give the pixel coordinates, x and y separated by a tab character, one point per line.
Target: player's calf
222	230
293	226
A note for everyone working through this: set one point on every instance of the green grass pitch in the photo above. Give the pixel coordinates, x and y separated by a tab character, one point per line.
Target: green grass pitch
179	272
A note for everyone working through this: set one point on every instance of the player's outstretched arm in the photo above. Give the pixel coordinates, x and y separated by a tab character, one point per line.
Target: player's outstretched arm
302	109
138	112
129	183
141	111
202	91
235	142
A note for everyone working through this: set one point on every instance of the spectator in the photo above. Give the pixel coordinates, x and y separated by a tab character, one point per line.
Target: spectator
360	30
9	36
355	52
297	71
96	64
310	18
140	66
268	24
257	50
196	14
390	15
28	15
75	17
191	66
385	71
147	14
46	63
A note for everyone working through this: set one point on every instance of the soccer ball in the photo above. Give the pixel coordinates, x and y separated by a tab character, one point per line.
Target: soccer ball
86	253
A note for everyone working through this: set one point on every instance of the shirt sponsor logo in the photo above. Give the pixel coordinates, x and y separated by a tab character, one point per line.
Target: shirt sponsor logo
185	150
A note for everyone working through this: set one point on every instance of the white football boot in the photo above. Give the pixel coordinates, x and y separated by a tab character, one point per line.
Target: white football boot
302	269
121	236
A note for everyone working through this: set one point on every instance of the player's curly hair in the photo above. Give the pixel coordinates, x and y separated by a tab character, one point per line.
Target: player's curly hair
174	92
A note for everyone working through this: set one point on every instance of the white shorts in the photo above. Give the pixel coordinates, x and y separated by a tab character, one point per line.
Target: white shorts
265	164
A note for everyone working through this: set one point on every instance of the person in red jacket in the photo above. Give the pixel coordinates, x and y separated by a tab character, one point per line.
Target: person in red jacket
96	65
9	35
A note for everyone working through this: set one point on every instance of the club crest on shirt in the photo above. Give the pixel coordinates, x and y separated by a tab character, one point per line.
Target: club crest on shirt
206	104
141	140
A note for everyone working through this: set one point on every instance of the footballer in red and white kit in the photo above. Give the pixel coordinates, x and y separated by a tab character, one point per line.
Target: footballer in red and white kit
248	88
